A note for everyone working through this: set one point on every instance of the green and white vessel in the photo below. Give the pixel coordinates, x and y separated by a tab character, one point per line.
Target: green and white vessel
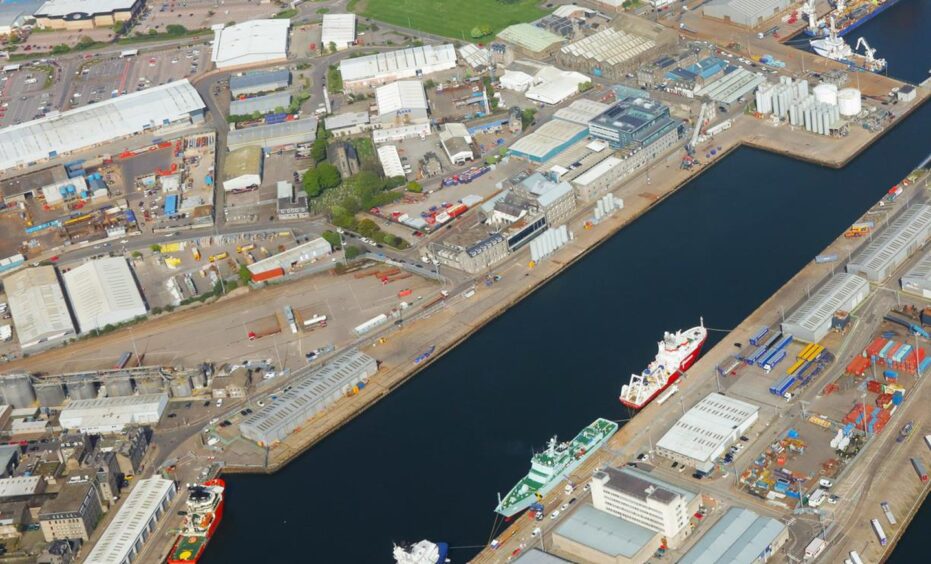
559	460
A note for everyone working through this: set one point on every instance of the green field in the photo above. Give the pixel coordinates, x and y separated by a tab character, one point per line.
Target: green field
452	18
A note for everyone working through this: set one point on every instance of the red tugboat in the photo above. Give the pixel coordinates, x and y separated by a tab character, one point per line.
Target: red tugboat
204	512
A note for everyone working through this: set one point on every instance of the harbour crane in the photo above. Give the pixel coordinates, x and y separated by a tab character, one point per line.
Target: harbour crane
808	9
869	54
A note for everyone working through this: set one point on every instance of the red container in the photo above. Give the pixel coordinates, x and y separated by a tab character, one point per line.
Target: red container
405	292
268	275
874	386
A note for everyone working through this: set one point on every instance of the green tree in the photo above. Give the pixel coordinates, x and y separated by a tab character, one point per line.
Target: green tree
332	237
415	187
245	275
585	86
327	176
352	252
367	228
526	117
318	149
137	254
311	183
60	49
85	42
156	248
175	30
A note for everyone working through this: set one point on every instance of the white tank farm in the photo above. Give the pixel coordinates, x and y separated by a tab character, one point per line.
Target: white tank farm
849	102
826	94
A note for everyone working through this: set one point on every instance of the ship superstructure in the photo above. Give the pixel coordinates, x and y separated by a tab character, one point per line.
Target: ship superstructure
848	15
204	511
423	552
559	460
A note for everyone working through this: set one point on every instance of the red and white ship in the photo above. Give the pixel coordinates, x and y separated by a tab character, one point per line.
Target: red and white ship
677	352
204	512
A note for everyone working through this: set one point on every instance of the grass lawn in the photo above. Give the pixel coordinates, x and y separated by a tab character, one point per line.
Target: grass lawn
452	18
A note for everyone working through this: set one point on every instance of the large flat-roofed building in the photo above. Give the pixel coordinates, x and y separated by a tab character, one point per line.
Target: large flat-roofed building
731	87
294	257
308	396
73	513
349	123
390	161
52	136
640	498
339	31
530	39
635	121
103	292
14	15
291	203
553	85
740	537
274	135
471	252
126	534
707	429
457	143
84	14
599	179
624	45
113	415
811	322
401	102
277	101
590	535
255	42
381	68
749	13
21	487
888	250
242	169
259	82
581	111
40	313
555	199
550	139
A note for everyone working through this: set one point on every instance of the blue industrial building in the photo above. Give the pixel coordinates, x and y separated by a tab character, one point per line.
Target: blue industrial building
635	122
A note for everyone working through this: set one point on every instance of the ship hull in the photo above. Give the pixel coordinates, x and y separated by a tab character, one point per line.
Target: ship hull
444	550
857	22
673	378
193	557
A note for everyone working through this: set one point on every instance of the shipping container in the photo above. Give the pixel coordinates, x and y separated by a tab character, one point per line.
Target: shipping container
268	275
880	533
888	511
920	469
758	337
773	361
855	557
822	259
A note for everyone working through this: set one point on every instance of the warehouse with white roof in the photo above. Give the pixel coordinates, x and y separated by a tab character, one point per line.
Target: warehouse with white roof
581	111
550	139
91	125
381	68
401	101
339	31
112	415
103	292
705	431
277	101
732	86
888	250
138	518
255	42
308	396
812	320
390	161
40	313
918	278
749	13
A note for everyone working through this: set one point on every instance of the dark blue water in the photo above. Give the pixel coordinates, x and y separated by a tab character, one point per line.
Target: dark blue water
427	461
900	35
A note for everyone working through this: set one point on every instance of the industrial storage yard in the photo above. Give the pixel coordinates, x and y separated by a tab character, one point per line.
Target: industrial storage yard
225	241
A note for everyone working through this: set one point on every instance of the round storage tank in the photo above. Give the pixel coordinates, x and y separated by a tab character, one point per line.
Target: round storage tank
50	395
849	102
826	94
81	388
181	387
18	390
119	387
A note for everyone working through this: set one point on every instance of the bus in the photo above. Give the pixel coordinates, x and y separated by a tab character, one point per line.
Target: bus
855	557
123	361
880	533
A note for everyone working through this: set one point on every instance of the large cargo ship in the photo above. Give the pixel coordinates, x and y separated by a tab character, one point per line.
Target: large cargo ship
204	512
423	552
850	15
559	460
677	352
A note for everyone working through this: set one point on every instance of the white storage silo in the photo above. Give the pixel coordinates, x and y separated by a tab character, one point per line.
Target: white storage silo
826	94
849	102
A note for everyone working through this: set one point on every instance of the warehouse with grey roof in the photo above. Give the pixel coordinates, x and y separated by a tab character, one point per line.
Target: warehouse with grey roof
309	395
811	322
749	13
40	313
888	250
274	135
590	535
740	537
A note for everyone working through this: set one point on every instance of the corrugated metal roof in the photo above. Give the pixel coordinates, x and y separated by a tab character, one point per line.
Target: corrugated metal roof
581	111
103	291
529	37
732	86
98	123
339	29
64	8
747	8
707	426
836	294
251	42
739	537
907	232
400	95
919	276
390	161
266	135
604	532
350	119
271	80
548	137
302	253
610	46
132	520
37	304
404	62
598	171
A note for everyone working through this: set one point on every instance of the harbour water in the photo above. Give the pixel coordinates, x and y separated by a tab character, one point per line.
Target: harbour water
427	461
